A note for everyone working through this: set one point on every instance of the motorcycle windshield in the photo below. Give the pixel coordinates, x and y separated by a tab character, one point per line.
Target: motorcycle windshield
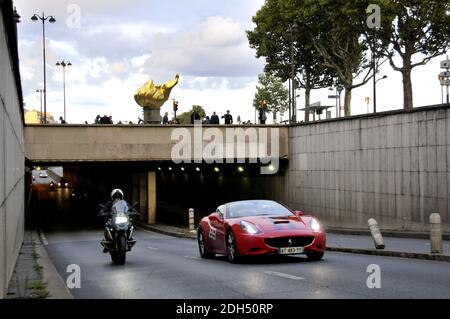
121	207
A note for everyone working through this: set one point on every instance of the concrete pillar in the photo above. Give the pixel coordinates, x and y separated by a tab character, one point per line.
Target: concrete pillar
151	197
436	234
143	195
152	116
136	191
376	234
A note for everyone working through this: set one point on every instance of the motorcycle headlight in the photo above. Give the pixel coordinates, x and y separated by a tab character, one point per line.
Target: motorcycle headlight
121	219
315	225
249	228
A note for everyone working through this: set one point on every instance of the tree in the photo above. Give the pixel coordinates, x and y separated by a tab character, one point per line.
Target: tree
271	94
272	39
338	31
413	27
185	118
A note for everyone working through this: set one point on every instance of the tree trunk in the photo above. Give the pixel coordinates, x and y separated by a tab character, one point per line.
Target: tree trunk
348	101
307	103
407	85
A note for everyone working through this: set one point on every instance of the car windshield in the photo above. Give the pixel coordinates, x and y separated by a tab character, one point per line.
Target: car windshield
256	208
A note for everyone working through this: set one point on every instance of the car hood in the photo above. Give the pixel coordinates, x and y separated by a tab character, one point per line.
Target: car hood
276	223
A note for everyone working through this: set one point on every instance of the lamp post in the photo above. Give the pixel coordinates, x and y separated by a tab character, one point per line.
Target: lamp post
40	99
50	19
292	114
375	91
339	89
64	64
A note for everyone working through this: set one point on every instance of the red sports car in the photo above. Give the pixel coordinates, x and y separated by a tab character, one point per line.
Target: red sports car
258	227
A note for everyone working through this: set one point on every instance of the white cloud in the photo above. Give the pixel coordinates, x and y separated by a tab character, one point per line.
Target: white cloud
216	48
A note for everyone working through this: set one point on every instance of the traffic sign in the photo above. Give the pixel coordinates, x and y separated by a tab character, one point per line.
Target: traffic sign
445	64
445	74
445	82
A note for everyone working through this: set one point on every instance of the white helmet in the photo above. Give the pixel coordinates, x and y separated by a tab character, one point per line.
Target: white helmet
115	192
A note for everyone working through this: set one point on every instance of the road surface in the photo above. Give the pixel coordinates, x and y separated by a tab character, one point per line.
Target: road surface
166	267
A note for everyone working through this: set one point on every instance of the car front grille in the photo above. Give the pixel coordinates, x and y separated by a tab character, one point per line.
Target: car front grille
293	241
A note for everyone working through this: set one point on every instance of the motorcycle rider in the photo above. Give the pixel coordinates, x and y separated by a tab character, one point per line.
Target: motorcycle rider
116	197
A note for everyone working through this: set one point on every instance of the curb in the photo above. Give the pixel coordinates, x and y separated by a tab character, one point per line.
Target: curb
384	253
166	232
55	284
387	253
385	233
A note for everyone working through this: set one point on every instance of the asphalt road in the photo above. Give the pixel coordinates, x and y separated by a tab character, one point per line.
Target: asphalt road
166	267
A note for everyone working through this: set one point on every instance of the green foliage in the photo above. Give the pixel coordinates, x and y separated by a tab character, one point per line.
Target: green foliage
413	27
272	39
200	111
328	42
185	118
271	90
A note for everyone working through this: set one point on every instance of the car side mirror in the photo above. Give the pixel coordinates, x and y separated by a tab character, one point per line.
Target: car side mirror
299	213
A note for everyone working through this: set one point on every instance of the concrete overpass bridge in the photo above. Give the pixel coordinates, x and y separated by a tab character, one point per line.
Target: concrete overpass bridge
181	160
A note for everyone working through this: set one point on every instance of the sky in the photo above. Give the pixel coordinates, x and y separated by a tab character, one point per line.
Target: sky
116	46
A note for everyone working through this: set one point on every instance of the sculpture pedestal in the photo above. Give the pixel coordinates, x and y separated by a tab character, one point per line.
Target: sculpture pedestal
152	116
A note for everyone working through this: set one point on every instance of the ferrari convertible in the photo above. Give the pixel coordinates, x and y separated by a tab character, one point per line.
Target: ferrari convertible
260	227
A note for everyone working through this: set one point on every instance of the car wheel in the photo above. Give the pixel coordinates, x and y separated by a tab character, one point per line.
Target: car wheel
202	248
314	256
232	252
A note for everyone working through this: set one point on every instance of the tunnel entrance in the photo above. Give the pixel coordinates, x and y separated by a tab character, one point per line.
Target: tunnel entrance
178	187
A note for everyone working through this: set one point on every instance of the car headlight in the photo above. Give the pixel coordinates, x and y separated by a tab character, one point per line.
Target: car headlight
315	225
249	228
121	219
59	184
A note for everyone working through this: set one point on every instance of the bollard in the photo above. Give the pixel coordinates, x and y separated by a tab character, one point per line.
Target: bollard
436	234
191	220
376	234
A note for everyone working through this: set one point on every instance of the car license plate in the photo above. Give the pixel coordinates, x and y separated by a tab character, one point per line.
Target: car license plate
291	250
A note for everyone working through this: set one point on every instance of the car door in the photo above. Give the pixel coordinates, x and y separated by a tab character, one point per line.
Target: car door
217	231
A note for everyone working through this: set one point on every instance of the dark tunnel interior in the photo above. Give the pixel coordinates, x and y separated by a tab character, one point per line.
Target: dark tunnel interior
178	187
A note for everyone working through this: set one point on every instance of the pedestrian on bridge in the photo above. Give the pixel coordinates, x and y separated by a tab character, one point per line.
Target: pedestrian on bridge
228	118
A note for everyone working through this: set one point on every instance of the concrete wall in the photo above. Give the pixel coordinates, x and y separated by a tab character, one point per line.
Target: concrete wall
11	164
393	167
73	143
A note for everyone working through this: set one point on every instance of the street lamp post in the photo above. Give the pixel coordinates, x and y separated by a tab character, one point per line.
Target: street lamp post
292	114
40	99
375	72
50	19
64	64
375	91
340	88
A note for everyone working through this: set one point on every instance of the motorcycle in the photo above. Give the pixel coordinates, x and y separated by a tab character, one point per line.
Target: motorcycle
119	230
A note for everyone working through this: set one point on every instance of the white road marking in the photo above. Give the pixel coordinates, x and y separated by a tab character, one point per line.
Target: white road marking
283	275
152	248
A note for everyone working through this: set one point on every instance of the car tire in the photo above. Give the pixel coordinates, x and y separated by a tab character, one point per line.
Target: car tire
232	252
202	248
315	256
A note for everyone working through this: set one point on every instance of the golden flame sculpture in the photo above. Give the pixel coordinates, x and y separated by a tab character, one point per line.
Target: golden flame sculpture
153	96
